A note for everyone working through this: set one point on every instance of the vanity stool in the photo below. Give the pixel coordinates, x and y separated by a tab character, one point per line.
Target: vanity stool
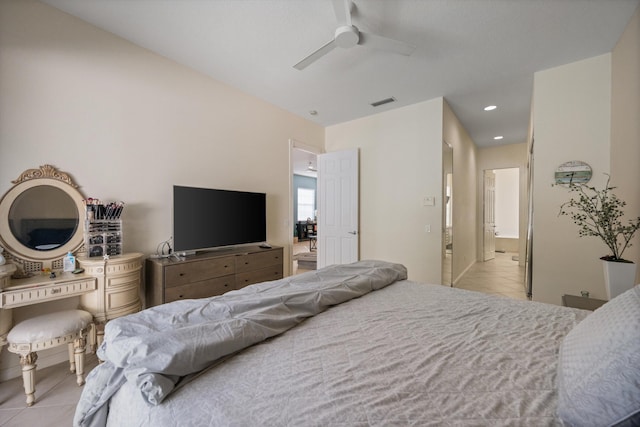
47	331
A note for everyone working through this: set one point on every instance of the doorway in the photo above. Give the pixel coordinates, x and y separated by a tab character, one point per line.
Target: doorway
499	271
304	207
501	222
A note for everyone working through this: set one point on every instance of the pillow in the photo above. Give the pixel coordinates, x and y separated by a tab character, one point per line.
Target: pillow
599	366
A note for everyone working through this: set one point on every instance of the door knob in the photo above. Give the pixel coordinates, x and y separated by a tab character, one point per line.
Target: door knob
353	232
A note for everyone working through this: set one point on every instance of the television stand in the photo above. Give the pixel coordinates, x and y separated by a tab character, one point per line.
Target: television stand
210	273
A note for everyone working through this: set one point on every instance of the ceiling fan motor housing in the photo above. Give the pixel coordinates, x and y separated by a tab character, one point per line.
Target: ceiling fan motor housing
347	36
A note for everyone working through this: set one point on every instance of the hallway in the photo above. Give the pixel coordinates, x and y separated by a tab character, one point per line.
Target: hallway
500	276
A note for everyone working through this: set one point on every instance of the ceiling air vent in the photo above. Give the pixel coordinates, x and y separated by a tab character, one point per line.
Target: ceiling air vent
383	101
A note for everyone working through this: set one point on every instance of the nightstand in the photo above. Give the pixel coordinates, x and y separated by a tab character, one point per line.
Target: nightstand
583	303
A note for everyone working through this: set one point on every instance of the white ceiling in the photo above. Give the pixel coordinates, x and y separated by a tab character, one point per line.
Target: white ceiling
305	163
472	52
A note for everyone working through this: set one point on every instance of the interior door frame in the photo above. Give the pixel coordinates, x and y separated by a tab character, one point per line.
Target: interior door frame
488	206
528	276
295	145
521	213
447	169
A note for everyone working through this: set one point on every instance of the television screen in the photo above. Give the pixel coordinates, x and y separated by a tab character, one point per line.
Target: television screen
206	218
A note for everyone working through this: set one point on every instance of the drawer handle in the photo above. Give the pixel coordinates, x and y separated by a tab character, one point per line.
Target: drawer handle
180	296
181	274
246	263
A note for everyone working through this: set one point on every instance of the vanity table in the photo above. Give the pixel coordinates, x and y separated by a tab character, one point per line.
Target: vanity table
107	289
35	290
41	220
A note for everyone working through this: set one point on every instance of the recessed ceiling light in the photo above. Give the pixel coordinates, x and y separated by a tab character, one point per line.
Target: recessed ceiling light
490	108
498	137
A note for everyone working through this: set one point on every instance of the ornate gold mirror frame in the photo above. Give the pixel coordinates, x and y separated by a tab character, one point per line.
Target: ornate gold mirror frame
41	219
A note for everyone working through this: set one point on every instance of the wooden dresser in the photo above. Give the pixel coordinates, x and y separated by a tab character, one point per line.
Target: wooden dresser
211	273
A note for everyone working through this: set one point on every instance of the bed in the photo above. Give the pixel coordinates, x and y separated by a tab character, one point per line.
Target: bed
360	345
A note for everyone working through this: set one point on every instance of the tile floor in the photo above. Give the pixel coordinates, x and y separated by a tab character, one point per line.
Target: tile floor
501	276
298	248
57	393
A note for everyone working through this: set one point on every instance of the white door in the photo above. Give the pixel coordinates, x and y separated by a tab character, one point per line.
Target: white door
489	215
338	208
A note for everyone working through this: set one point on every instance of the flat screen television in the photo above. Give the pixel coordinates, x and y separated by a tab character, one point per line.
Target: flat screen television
205	218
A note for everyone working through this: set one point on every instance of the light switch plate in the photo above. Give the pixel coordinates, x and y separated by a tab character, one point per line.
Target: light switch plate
429	201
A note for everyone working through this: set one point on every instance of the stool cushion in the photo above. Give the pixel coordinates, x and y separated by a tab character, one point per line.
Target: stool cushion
49	326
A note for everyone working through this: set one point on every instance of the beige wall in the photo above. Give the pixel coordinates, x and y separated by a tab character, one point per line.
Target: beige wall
625	124
572	121
500	157
465	197
128	124
400	163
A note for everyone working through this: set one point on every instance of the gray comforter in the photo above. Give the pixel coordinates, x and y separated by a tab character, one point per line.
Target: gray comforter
410	354
159	347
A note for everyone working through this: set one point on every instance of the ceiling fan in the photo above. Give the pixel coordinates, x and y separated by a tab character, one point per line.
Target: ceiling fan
348	35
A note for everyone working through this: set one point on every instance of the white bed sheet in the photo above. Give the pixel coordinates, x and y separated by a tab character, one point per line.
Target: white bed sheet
408	354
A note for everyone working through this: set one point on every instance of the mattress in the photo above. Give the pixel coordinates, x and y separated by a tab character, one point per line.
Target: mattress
407	354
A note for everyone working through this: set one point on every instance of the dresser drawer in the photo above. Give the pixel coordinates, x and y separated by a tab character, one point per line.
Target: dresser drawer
202	289
256	261
196	271
273	272
122	298
209	274
27	296
131	280
122	291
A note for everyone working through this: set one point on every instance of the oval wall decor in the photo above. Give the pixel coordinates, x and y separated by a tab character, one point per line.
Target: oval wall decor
573	172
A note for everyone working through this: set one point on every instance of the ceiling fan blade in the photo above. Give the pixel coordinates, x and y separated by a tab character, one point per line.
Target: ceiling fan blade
384	43
315	55
342	8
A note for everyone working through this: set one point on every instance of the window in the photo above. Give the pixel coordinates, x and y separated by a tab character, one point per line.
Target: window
306	203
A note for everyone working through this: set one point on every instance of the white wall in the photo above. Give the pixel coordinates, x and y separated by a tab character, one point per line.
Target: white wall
572	121
127	124
400	163
625	125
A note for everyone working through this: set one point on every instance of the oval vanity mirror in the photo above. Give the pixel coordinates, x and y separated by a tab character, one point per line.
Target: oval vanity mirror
43	232
40	216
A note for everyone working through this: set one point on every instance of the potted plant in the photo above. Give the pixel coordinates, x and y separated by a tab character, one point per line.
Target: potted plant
599	213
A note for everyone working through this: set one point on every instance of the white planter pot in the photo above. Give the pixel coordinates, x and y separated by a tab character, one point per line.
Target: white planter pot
618	277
